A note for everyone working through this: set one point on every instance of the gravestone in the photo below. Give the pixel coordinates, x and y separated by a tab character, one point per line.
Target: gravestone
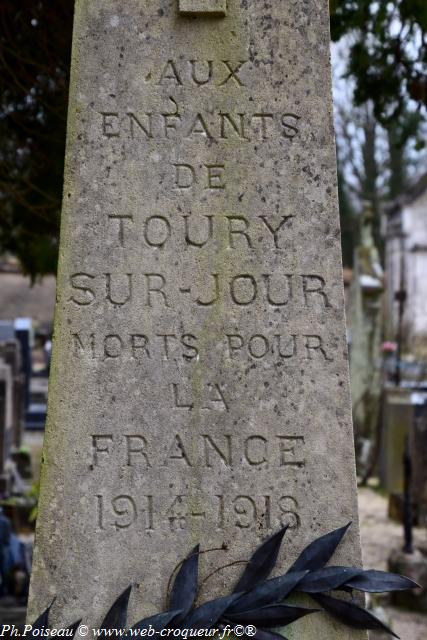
10	352
7	331
199	381
6	422
418	452
24	335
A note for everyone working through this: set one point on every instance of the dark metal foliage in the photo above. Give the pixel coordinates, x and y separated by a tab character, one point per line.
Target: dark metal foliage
258	601
262	562
350	614
319	552
379	581
116	617
42	622
277	615
209	614
184	589
157	622
327	579
274	590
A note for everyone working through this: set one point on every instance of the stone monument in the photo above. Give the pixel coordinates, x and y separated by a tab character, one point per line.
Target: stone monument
6	421
10	352
199	382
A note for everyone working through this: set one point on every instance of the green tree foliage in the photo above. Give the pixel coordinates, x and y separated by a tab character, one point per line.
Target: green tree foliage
388	53
35	44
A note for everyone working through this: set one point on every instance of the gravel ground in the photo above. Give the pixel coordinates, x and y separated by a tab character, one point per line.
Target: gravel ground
379	536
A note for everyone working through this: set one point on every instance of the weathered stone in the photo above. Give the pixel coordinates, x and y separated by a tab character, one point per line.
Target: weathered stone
199	381
203	7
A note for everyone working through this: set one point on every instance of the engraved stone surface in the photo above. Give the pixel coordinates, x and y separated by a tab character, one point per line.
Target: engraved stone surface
218	7
199	382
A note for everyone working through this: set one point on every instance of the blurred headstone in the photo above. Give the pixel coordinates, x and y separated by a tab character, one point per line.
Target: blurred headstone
23	333
414	566
405	419
36	413
6	424
397	419
7	331
10	352
418	453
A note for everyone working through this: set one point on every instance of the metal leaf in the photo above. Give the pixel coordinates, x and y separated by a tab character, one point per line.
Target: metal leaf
43	620
317	554
269	592
274	616
184	588
73	628
116	617
261	563
208	614
379	581
157	622
327	579
350	614
264	634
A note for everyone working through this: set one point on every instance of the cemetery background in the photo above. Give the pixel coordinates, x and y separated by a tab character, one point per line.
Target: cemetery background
384	224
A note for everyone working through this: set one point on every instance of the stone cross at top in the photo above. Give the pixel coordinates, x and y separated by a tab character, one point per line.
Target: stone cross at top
203	7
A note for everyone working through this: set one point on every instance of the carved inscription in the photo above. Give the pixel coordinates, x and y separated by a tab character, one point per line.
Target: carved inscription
240	237
145	454
140	347
149	513
213	397
175	123
204	231
211	176
203	7
242	289
199	73
142	452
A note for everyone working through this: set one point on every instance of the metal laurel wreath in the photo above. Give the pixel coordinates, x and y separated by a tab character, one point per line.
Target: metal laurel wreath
257	601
